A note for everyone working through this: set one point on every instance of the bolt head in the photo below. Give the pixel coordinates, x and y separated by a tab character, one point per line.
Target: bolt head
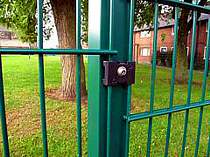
121	71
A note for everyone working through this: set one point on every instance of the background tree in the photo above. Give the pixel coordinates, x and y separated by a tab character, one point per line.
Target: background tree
20	16
12	15
163	38
182	59
65	20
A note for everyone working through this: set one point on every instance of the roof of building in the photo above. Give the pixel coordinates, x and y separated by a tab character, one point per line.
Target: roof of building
169	23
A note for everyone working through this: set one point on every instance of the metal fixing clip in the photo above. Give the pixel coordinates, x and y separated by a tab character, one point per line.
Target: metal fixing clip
119	73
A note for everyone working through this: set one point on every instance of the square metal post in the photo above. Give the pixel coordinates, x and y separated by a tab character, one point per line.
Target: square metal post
108	28
119	40
97	93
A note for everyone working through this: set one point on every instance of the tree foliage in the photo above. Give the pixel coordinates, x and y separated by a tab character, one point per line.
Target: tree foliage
20	17
84	12
143	14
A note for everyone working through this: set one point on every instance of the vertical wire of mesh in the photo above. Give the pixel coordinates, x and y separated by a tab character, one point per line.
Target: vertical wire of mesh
203	91
41	78
78	77
190	81
172	79
130	55
3	114
109	90
153	76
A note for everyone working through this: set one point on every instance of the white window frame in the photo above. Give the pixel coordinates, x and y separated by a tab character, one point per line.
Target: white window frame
147	34
204	54
164	48
172	48
172	31
188	50
148	52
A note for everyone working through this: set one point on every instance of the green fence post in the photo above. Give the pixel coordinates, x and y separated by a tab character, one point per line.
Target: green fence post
97	93
119	40
99	33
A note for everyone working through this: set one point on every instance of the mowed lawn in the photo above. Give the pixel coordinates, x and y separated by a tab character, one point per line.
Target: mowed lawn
23	112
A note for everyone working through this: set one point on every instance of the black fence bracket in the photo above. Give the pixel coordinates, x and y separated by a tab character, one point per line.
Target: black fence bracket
119	73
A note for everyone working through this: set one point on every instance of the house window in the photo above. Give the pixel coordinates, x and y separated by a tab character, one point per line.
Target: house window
204	55
163	49
145	51
145	34
172	49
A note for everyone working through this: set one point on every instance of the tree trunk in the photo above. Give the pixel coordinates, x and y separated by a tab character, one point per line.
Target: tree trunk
65	21
182	59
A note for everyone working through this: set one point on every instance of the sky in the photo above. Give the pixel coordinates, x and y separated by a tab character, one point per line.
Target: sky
53	41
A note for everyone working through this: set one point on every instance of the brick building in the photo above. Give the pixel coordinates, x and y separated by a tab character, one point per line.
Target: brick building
143	41
9	40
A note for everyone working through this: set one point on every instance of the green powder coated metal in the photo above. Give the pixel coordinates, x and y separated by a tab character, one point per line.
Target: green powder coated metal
98	38
131	28
153	76
206	72
130	55
203	91
178	108
78	102
109	106
119	40
206	64
2	114
41	79
109	89
172	80
117	95
164	111
127	122
8	51
199	132
190	81
78	77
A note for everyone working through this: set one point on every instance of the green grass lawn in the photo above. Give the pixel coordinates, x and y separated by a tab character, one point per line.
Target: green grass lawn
23	112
